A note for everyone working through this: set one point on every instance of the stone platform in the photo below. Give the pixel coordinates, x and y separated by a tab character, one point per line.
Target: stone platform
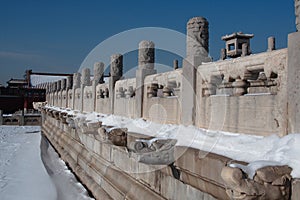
110	170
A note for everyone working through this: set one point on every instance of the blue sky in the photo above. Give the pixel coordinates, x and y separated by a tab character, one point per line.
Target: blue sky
56	36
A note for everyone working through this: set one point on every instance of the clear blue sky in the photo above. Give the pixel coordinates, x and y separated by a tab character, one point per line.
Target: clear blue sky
56	36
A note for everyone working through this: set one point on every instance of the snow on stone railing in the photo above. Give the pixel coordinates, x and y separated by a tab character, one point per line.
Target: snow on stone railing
256	180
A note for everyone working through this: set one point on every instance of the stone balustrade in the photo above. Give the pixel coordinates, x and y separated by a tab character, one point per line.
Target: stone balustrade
246	94
155	168
253	94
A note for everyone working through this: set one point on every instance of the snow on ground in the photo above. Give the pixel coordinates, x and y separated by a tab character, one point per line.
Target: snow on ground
258	151
23	174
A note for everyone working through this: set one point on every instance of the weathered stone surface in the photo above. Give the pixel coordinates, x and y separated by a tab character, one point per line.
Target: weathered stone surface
116	71
118	136
295	189
234	44
272	173
155	151
223	54
271	43
293	74
116	65
268	183
98	72
234	96
86	77
175	64
69	83
245	48
58	85
63	84
76	80
161	97
146	54
297	13
197	37
146	68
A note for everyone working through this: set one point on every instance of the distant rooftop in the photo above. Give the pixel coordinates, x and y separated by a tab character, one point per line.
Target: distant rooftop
17	81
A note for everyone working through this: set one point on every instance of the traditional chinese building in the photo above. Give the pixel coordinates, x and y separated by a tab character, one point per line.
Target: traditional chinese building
18	96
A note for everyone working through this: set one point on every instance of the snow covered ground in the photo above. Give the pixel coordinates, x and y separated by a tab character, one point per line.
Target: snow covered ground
258	151
30	169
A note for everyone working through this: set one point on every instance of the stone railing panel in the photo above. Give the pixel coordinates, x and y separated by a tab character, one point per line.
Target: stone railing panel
161	97
246	95
125	100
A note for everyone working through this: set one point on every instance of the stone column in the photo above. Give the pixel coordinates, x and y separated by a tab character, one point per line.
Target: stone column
63	84
58	94
85	81
271	43
297	13
293	81
47	92
76	84
146	67
69	83
175	64
86	77
1	117
223	55
116	72
76	80
245	48
98	73
197	52
58	85
98	79
54	86
197	37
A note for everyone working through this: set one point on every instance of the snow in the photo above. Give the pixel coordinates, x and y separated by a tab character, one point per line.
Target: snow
258	151
22	171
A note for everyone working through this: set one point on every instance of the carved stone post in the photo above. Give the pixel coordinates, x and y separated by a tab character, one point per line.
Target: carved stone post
47	92
297	13
63	102
175	64
146	67
69	83
86	77
57	89
116	72
271	43
76	84
85	81
63	84
245	49
197	52
98	72
98	79
223	55
59	83
54	88
76	80
197	37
